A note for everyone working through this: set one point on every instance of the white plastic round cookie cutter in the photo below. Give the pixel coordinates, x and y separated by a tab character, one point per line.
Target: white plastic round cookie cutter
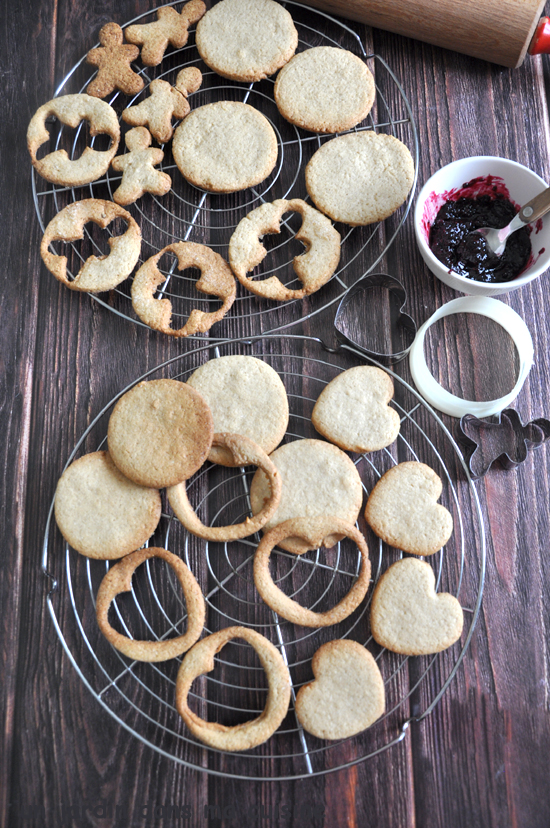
443	400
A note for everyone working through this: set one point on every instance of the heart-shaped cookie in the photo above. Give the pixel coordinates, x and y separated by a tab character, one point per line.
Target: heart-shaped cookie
353	411
408	616
402	509
347	695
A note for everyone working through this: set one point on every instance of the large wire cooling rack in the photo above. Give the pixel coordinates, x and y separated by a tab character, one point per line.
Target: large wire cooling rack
141	696
191	214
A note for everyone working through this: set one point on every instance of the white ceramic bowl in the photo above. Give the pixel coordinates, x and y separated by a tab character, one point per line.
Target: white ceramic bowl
522	184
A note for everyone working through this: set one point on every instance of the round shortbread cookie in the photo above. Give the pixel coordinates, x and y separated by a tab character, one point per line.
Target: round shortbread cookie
225	147
160	432
325	89
360	178
347	695
318	480
246	396
101	513
246	40
402	509
353	411
408	616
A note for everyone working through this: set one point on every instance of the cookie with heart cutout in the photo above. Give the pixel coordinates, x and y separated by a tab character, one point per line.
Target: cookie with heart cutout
408	616
347	695
353	412
402	509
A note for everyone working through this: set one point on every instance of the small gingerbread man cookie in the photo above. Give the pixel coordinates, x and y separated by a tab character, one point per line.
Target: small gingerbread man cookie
113	59
164	103
170	28
138	168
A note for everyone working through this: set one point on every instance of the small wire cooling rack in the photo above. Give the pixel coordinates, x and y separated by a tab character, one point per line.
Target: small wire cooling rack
141	696
191	214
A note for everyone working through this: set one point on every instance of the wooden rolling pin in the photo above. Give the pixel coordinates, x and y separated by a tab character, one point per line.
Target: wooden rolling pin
502	32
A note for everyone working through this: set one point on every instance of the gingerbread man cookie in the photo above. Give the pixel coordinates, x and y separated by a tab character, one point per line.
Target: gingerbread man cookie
138	168
113	59
170	28
164	103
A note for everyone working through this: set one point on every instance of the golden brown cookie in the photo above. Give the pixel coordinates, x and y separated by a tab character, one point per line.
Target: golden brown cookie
318	480
246	40
314	267
325	89
402	509
200	660
160	432
352	411
57	167
243	453
360	178
113	59
216	280
164	103
347	695
224	147
314	533
169	29
101	513
119	579
98	273
246	396
408	616
138	168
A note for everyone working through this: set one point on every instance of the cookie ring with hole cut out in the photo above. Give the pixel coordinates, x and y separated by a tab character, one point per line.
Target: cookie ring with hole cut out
119	579
200	660
314	531
57	167
216	280
314	267
245	452
98	273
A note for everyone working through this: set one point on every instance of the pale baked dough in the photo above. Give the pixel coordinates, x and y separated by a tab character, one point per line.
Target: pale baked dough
408	616
314	267
360	178
200	660
56	166
246	40
101	513
225	147
347	694
313	532
216	280
171	28
98	273
119	579
137	166
160	432
246	396
243	452
325	89
402	509
318	480
352	411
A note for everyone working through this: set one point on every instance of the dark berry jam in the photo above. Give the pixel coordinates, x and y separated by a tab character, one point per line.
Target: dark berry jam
469	255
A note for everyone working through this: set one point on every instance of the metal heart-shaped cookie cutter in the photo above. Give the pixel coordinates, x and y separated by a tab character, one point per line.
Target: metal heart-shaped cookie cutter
507	440
402	320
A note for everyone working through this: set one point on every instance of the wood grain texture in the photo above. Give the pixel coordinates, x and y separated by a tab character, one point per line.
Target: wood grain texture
480	757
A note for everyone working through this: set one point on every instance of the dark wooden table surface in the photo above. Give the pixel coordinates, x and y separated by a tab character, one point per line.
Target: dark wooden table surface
481	757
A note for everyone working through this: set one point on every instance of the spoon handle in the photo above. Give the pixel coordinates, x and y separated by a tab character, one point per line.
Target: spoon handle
536	208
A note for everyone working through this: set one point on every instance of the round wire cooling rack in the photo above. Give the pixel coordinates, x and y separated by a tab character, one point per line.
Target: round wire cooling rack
191	214
140	696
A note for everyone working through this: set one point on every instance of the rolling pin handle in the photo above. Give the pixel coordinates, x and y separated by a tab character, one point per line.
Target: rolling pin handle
540	45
